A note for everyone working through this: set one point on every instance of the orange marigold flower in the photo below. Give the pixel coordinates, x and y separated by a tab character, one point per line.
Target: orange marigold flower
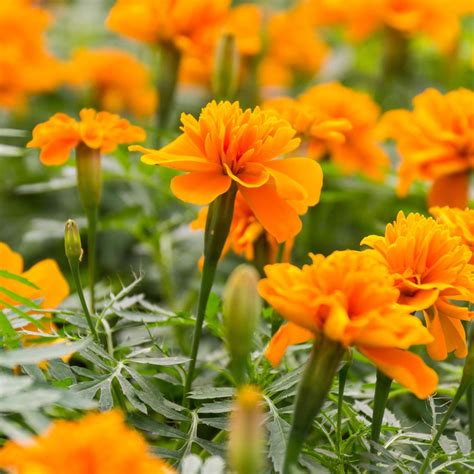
51	286
460	223
361	18
230	146
26	66
98	443
97	130
185	23
118	80
245	23
431	269
350	297
247	237
436	143
293	47
339	122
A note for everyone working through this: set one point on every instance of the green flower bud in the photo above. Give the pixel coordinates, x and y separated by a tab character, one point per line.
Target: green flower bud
226	68
72	241
246	438
241	310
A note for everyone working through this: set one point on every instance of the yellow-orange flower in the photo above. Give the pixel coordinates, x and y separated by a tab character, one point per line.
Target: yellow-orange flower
51	286
438	20
350	298
339	122
230	146
187	24
460	223
436	143
245	23
431	269
294	47
118	81
98	443
98	130
247	235
26	66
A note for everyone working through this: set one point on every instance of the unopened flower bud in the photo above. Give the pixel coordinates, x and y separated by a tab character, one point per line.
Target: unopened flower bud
226	68
72	241
246	438
89	176
241	310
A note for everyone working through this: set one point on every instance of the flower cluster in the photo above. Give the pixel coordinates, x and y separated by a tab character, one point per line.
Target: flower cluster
229	146
97	130
26	66
431	270
117	81
98	443
436	143
338	122
349	297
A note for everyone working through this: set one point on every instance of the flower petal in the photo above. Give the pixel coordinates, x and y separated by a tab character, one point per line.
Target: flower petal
200	188
287	335
305	172
57	152
252	175
451	190
406	368
276	215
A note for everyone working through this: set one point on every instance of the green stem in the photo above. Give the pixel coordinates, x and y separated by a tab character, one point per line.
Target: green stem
218	224
395	54
382	390
170	59
470	388
312	392
342	383
92	252
74	265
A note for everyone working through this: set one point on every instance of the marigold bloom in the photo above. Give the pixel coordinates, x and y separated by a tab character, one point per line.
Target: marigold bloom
431	269
26	66
185	23
229	146
350	298
118	81
438	20
337	121
58	136
98	443
460	223
436	143
293	47
52	287
244	22
246	234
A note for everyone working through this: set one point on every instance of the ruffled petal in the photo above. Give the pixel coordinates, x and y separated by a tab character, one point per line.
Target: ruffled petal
406	368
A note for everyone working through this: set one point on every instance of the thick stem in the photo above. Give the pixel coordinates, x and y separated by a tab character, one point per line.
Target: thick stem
218	224
382	390
312	392
74	265
170	58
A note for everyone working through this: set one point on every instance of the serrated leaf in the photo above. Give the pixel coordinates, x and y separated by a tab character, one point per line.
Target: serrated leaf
464	443
205	393
37	354
278	429
218	407
129	392
161	361
106	401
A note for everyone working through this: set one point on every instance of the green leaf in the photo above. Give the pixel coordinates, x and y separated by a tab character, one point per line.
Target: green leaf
37	354
205	393
20	299
162	361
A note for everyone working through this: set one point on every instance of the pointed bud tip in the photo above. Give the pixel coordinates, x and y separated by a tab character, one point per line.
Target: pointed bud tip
72	240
